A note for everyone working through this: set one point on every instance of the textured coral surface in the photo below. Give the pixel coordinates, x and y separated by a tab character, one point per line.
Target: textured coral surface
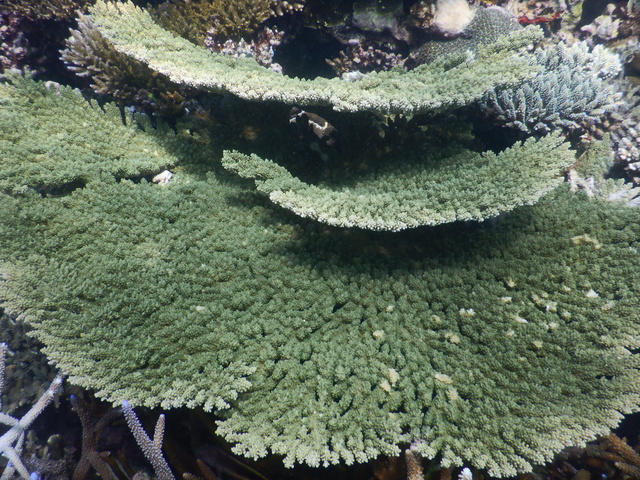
492	344
333	345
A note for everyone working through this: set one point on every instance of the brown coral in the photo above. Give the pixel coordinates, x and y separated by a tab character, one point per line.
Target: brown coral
228	19
111	74
363	57
611	457
46	9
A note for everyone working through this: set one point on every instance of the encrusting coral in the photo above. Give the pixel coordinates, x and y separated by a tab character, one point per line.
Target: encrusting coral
317	343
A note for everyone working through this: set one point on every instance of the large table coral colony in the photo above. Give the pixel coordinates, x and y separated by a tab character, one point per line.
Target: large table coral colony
487	343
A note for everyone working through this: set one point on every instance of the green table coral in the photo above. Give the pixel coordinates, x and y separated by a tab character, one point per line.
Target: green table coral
428	189
76	140
493	344
445	84
327	345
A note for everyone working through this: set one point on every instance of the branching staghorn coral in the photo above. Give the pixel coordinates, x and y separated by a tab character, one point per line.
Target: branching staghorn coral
12	440
427	190
90	456
571	90
444	84
152	448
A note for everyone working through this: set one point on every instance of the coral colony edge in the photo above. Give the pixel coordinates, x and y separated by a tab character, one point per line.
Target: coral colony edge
414	288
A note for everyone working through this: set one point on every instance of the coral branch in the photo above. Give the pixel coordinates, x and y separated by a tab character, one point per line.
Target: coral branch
150	447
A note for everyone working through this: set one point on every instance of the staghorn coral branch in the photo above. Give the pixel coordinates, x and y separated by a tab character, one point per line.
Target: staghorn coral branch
150	448
12	440
90	457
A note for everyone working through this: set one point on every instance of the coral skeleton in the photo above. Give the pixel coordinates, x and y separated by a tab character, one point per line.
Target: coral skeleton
452	17
12	440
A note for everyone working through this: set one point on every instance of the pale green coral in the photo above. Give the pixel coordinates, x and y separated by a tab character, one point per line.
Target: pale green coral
427	190
439	85
175	295
76	139
333	345
491	344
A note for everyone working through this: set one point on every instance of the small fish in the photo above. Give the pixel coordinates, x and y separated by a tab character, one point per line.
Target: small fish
320	126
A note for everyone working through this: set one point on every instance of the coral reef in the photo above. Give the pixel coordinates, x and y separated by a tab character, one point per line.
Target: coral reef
610	456
90	457
328	345
452	17
626	135
223	20
427	190
31	32
605	27
571	91
13	45
427	87
152	274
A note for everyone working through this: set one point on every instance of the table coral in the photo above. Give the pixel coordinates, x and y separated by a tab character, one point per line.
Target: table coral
76	139
428	87
328	345
493	344
424	189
